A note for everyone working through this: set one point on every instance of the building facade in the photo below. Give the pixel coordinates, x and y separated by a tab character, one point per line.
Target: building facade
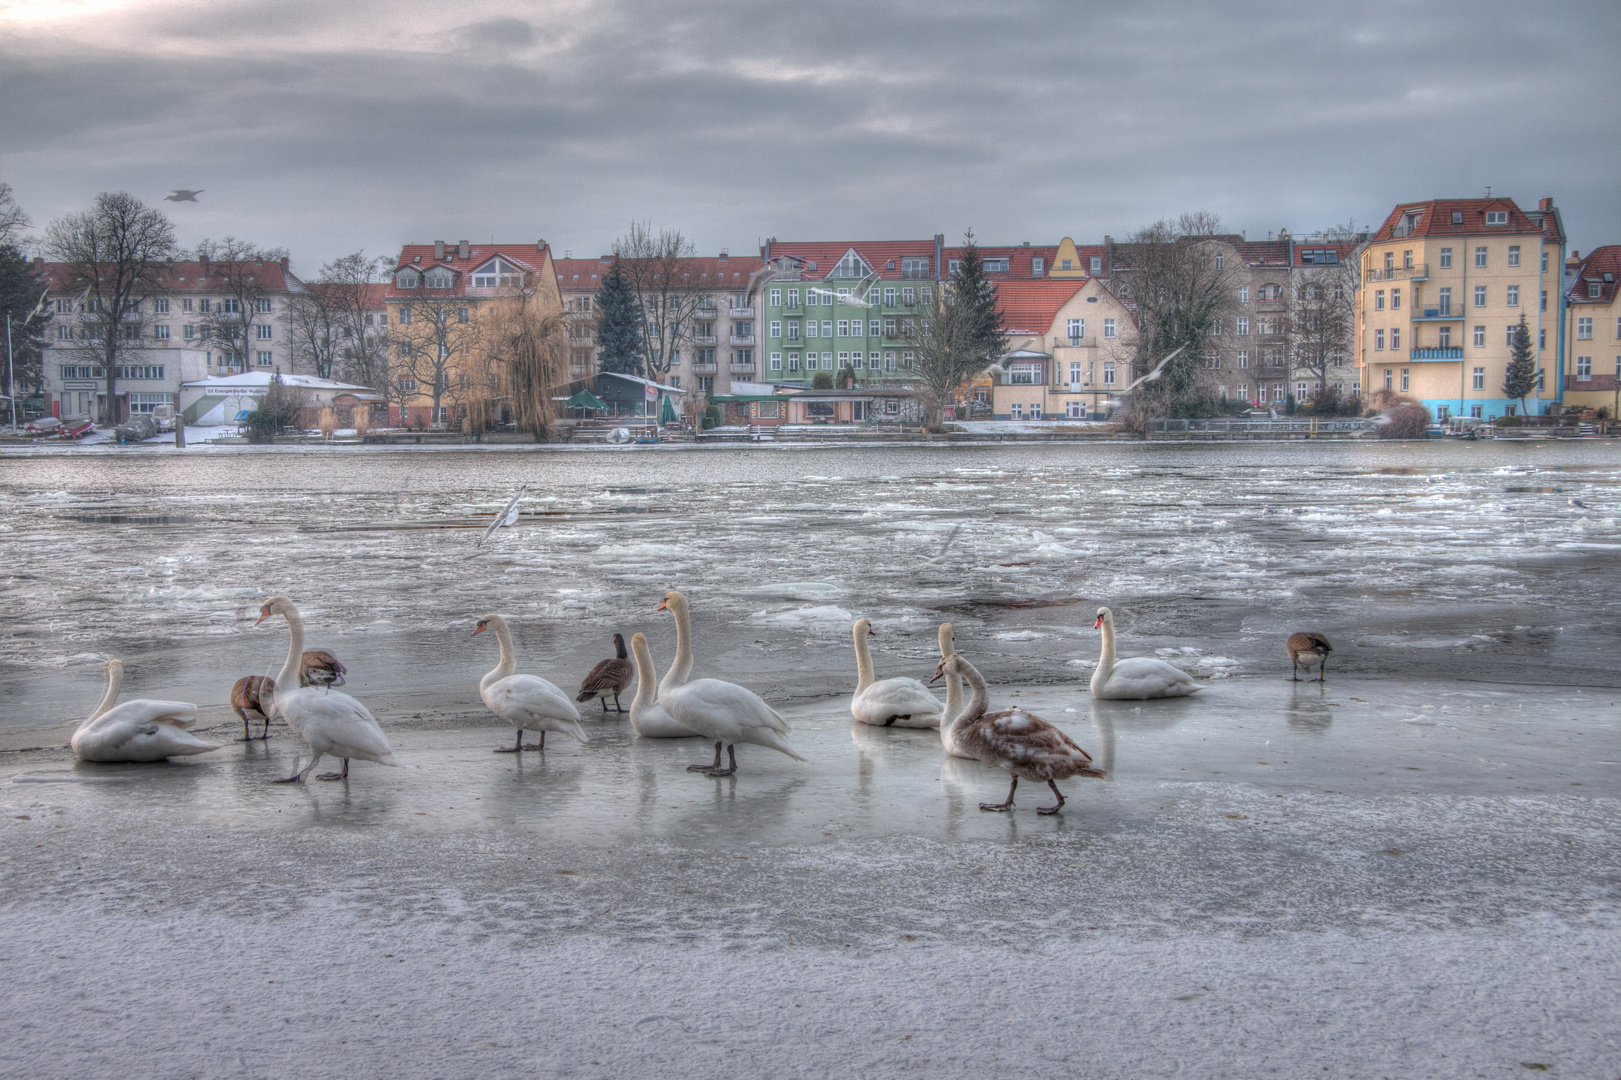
1593	331
1444	284
1069	349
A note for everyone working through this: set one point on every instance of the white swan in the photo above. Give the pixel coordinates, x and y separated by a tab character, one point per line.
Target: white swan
329	721
527	702
647	716
137	730
1135	678
953	709
718	710
888	702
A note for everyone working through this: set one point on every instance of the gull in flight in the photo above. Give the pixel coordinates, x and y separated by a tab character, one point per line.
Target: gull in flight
182	195
509	516
1158	370
1578	502
940	558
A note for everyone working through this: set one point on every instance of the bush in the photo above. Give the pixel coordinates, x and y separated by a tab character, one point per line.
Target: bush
822	380
262	427
1406	422
1507	421
713	415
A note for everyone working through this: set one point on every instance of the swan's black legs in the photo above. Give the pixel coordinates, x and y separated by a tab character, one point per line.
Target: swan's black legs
709	768
731	755
1048	809
344	775
1002	808
515	748
541	745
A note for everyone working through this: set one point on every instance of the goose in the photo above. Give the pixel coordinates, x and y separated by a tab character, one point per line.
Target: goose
888	702
137	730
1308	647
647	716
527	702
329	721
718	710
948	737
1135	678
317	667
611	676
249	696
1020	742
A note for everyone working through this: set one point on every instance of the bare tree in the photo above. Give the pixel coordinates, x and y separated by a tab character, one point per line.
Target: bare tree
1174	274
328	323
528	362
114	257
13	221
433	337
235	270
944	335
653	266
1322	312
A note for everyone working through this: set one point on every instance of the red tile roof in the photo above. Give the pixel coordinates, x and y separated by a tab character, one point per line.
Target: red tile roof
1029	307
882	256
189	276
1599	263
575	275
531	257
1019	260
1434	218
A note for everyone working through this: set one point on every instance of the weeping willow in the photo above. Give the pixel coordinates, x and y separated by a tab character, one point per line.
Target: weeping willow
531	363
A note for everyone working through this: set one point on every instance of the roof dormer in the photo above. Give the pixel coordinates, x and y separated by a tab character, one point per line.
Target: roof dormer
499	273
852	266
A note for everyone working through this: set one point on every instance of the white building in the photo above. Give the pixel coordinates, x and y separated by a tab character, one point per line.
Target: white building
210	402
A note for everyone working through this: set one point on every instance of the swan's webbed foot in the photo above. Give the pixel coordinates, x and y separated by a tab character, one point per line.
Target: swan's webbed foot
1004	807
344	775
293	779
731	768
247	738
892	720
1048	810
534	746
516	748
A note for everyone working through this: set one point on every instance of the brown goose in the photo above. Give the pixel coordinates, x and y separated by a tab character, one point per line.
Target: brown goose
1020	742
246	703
609	677
320	668
1308	647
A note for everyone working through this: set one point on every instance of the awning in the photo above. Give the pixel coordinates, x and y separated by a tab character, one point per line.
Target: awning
585	399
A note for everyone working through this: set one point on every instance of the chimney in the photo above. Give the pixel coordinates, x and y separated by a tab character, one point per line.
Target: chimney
203	261
462	250
284	267
540	245
1545	203
438	251
722	254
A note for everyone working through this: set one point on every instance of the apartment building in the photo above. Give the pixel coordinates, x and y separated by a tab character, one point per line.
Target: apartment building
441	301
701	319
205	319
1593	330
1444	285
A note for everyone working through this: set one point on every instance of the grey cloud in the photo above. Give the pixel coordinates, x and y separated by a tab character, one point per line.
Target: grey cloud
735	120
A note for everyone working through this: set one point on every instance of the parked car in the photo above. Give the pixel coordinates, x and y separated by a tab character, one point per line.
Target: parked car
138	428
163	416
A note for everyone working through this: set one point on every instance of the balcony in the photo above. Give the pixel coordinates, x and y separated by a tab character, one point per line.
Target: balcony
742	369
1447	353
704	339
745	339
1399	273
742	313
1438	314
704	369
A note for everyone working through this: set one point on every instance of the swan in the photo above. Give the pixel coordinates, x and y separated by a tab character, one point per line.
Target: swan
647	716
610	676
718	710
527	702
137	730
1135	678
948	737
888	702
1020	742
329	721
1308	647
249	697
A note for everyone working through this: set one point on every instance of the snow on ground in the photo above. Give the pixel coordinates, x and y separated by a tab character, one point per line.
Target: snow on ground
1030	427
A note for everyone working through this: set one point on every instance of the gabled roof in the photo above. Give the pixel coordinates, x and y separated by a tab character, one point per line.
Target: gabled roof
531	257
195	276
576	275
817	259
1600	263
1436	218
1029	307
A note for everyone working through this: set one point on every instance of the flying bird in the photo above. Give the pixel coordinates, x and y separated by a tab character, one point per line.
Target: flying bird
182	195
509	516
940	558
1158	371
1578	502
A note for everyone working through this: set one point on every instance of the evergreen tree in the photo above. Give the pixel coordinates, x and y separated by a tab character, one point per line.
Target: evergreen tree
976	296
1520	378
619	326
20	294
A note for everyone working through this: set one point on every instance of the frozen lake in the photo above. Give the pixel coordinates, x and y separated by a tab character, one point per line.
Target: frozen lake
1408	871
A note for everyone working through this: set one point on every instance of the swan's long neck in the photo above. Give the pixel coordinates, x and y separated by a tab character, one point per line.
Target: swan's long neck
288	679
953	697
979	701
1106	658
681	666
646	680
115	679
509	660
864	676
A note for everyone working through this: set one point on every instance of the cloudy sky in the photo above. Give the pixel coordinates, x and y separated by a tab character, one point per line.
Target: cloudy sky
323	126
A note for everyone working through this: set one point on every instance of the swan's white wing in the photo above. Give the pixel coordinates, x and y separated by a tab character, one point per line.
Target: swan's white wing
532	703
652	722
146	711
509	516
1139	677
895	698
332	722
716	696
136	731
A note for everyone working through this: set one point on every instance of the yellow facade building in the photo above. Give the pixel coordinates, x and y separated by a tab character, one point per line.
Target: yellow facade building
1444	284
1593	331
1070	345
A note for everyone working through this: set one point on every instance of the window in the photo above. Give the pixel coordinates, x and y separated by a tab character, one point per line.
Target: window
1077	330
776	299
793	298
914	268
1243	294
996	266
844	328
1480	257
1509	335
1108	373
1446	258
1038	266
1243	391
1243	359
1379	341
1016	410
743	357
1514	254
203	305
160	306
889	297
851	266
405	279
1074	410
1513	296
1108	328
1300	391
1241	325
1542	339
1584	368
1277	391
231	306
1497	217
844	360
1024	374
1395	339
65	333
1077	373
1097	263
776	328
1480	296
263	332
188	331
1407	260
906	360
827	327
872	296
1444	337
793	361
843	296
1405	385
1544	262
925	294
1479	380
810	327
461	315
160	333
263	359
1390	265
1443	302
1480	337
405	315
1395	299
1378	299
908	296
874	328
889	327
1594	290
